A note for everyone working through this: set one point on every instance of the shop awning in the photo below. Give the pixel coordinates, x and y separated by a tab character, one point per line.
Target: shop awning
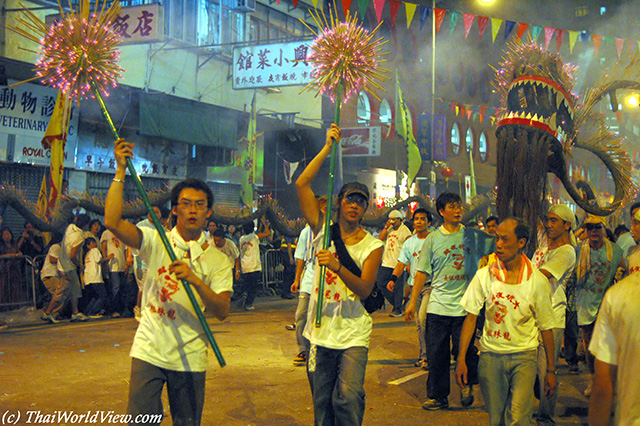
188	121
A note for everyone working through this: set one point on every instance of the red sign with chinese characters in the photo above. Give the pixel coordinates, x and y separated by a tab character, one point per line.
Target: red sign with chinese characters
361	141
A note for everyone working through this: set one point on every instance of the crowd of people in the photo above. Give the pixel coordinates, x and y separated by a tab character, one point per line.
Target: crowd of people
483	281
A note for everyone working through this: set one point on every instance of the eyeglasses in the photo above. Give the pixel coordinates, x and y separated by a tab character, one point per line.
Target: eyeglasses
358	199
592	226
199	204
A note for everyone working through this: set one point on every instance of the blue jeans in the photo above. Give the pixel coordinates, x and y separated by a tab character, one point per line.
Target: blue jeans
337	385
548	405
301	322
114	291
506	381
443	341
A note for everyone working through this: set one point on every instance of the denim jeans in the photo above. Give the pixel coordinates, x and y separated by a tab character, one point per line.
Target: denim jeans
421	319
301	322
114	291
571	334
548	405
443	341
394	297
337	385
506	381
251	281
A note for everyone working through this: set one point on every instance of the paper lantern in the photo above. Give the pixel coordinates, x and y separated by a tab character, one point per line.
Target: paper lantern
446	172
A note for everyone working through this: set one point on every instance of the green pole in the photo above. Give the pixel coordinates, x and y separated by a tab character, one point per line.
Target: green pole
326	242
161	232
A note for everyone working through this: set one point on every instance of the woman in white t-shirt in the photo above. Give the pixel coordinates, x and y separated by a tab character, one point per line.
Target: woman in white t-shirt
95	290
50	277
339	346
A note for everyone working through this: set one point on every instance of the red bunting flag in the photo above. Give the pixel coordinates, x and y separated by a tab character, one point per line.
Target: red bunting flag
468	21
439	15
346	5
548	35
469	112
482	24
619	46
596	41
453	106
619	116
463	112
394	7
378	5
295	3
522	28
559	38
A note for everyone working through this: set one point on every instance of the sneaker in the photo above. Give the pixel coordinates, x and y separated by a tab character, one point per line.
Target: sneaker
436	404
49	318
587	391
290	327
249	308
79	317
466	396
300	360
395	314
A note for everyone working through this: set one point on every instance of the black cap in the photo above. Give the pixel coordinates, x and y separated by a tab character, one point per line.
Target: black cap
354	188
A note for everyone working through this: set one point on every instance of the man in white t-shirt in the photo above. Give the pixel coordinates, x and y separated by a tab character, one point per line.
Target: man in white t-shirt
250	262
113	249
615	345
394	234
556	262
228	247
170	345
518	309
51	279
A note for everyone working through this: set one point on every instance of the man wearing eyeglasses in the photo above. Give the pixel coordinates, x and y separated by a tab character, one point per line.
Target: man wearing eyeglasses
170	344
599	263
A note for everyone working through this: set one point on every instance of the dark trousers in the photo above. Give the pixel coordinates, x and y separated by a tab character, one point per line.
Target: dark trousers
185	391
571	332
251	281
96	295
443	340
395	297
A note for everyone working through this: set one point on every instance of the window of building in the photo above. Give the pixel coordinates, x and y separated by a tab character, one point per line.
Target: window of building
482	146
582	11
455	139
364	109
469	141
211	29
386	117
270	24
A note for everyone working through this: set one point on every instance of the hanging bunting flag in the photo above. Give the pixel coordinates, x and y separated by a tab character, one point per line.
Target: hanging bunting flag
584	37
548	35
483	111
457	110
522	28
573	37
394	7
410	9
482	24
463	112
346	5
453	21
468	19
378	5
619	45
508	27
559	38
439	15
619	116
469	112
535	32
424	14
495	27
315	3
453	106
295	4
596	41
362	8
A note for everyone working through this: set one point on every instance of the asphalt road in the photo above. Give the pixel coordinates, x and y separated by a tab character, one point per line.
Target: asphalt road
51	373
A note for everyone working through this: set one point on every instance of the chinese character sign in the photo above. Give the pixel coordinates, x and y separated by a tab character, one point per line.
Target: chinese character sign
25	111
361	141
271	65
440	138
424	136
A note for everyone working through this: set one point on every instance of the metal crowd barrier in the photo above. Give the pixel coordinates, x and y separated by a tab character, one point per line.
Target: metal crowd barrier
18	275
272	271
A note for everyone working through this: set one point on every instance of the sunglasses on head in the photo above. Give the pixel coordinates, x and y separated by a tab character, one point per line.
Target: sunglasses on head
592	226
358	199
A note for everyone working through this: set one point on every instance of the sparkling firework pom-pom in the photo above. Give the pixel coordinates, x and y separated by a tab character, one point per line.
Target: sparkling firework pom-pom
79	52
344	53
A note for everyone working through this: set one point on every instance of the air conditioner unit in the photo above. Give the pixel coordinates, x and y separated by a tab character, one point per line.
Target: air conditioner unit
244	5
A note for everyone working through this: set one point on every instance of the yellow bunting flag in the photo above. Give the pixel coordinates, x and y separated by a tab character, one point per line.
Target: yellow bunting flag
495	27
410	9
573	37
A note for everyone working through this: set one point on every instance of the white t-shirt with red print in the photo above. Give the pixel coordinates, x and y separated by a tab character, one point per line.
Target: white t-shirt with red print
345	322
393	245
515	313
170	334
250	253
117	248
93	267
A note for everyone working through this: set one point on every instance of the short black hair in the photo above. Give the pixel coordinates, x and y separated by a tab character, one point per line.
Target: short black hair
446	198
193	183
489	219
522	230
248	228
219	232
620	229
82	220
425	211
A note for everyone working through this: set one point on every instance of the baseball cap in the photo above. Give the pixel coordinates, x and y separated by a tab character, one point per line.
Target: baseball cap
395	214
355	188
